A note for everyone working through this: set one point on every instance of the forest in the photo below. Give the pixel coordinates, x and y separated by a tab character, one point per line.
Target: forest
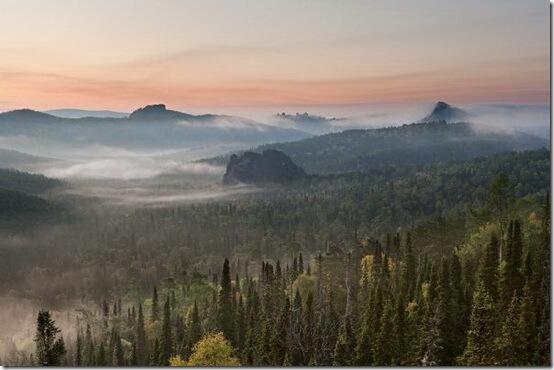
406	265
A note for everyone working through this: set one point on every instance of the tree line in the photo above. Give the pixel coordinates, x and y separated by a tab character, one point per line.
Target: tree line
380	302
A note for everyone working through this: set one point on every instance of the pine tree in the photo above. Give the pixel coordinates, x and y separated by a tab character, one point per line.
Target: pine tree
296	331
443	316
106	312
225	319
89	348
133	361
512	281
459	308
384	348
346	345
118	355
166	341
195	328
488	269
527	327
408	274
240	325
399	333
155	314
509	342
155	355
101	356
480	348
309	328
78	360
279	339
49	348
140	338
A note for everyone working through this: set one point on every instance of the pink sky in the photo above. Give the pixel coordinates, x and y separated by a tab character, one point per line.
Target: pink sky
197	55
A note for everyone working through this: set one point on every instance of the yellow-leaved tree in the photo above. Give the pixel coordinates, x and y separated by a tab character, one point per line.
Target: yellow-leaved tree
212	350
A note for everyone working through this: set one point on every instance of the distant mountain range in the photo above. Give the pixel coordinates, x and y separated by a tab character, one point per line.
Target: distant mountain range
410	144
153	127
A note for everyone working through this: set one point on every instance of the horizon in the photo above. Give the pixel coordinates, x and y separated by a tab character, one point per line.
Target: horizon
347	57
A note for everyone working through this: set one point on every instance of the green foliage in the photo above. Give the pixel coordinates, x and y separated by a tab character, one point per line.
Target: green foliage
49	348
480	349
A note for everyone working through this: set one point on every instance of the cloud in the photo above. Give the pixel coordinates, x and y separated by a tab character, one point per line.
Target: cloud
127	168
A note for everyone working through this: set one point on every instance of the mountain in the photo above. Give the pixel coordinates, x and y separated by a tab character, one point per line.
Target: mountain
157	112
271	166
81	113
27	116
153	128
409	144
17	205
445	112
19	160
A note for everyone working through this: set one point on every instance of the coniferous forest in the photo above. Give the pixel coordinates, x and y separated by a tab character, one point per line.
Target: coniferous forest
353	183
296	278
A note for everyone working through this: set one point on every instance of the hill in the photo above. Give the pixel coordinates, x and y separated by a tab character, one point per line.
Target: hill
410	144
15	159
26	182
18	204
153	127
445	112
271	166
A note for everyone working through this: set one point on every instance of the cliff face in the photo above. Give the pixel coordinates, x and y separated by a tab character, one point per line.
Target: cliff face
271	166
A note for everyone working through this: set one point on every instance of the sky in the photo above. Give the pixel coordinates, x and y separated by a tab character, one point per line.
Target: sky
274	55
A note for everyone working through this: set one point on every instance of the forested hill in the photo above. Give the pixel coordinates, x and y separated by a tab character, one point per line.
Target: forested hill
21	201
410	144
26	182
310	281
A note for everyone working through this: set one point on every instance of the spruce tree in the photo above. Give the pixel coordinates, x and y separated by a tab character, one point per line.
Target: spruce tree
166	340
78	359
527	327
480	347
155	355
225	319
106	313
346	345
195	328
309	329
49	348
101	356
509	342
399	333
279	339
384	348
118	355
408	273
89	348
155	314
240	325
133	361
488	269
140	337
296	331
